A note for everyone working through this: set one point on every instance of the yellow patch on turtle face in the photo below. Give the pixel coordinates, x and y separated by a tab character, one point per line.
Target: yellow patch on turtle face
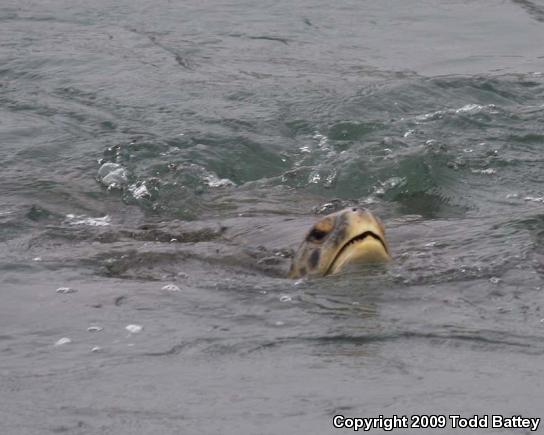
325	225
349	236
320	230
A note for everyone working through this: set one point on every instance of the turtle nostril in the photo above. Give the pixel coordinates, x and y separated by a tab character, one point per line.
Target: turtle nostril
359	210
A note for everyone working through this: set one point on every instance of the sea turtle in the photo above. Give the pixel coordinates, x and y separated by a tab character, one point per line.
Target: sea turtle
341	238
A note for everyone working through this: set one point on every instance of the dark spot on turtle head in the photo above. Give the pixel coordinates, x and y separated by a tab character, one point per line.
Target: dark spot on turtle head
340	229
340	236
314	259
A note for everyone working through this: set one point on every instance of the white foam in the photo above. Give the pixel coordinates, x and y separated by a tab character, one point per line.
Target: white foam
322	139
466	109
213	180
534	199
65	290
330	179
431	116
112	175
85	220
488	171
139	190
469	108
171	288
62	341
314	178
388	184
134	329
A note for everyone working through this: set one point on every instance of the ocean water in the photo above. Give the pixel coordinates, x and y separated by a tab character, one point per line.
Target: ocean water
161	160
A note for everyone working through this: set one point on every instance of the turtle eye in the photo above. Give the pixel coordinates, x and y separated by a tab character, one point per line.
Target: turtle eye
316	235
321	230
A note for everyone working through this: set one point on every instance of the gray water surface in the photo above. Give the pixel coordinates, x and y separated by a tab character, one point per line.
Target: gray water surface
162	159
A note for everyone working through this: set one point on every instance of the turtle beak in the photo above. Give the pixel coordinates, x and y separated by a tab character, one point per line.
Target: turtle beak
365	242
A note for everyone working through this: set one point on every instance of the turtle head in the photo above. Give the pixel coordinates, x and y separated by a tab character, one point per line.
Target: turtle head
352	235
